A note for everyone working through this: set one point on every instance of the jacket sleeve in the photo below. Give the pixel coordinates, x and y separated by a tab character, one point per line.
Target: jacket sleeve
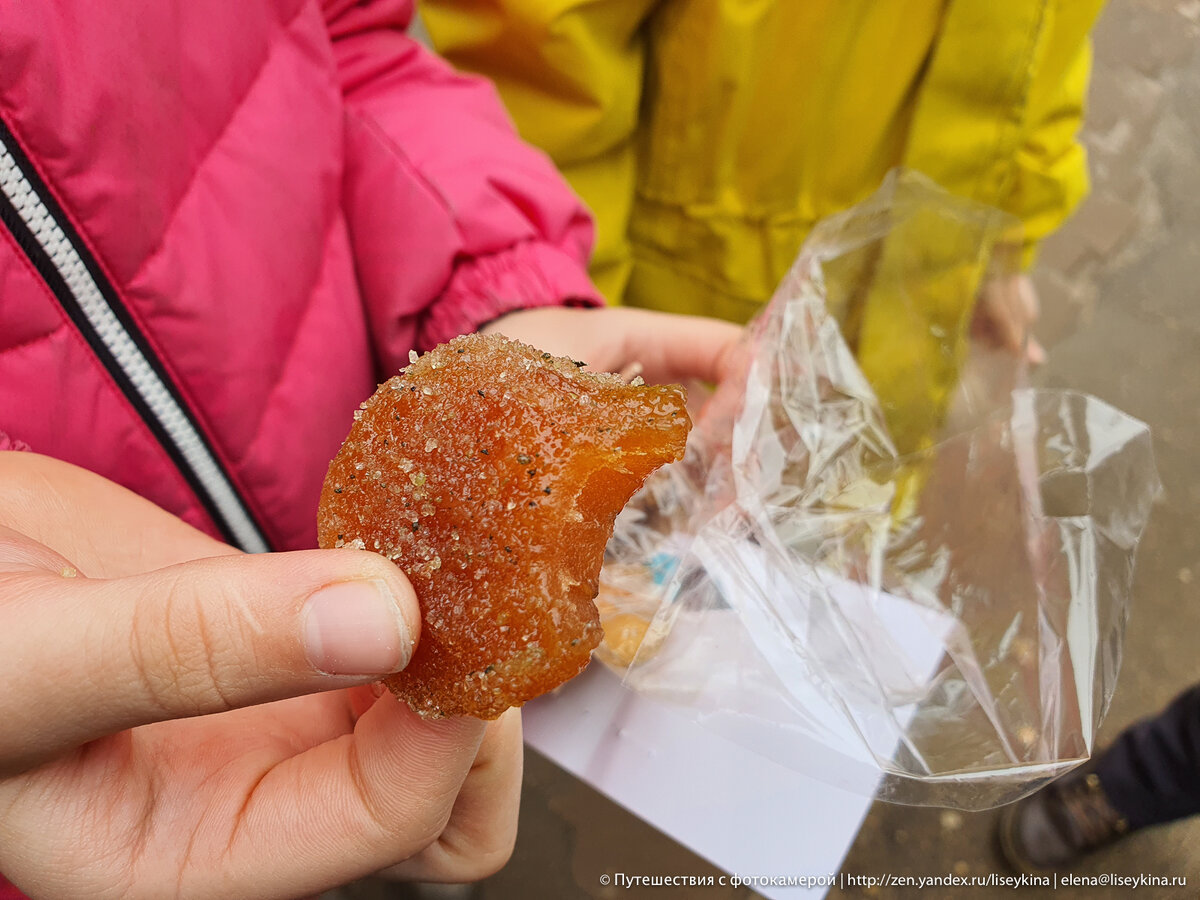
1051	173
571	74
453	220
8	443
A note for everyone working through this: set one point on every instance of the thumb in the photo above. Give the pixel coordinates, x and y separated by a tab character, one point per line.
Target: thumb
81	658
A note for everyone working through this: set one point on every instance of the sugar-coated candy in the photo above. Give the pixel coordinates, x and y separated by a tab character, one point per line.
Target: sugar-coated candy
491	473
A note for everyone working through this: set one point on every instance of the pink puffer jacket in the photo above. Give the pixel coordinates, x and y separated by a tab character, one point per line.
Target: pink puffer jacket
221	223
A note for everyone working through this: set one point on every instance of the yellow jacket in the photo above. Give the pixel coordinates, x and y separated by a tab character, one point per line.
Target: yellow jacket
709	135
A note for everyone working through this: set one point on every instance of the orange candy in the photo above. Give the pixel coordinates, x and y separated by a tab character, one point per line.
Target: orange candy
491	474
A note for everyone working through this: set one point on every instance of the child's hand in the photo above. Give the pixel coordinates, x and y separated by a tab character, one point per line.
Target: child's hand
125	635
664	347
1005	314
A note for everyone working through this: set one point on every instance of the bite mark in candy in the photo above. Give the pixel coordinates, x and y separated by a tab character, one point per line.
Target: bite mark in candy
491	474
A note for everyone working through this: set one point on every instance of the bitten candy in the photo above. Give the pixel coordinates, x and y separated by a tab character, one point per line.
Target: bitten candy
491	474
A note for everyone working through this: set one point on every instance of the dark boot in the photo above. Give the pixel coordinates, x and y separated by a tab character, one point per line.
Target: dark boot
1060	824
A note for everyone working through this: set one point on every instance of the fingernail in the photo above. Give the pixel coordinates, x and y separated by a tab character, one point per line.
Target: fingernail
355	628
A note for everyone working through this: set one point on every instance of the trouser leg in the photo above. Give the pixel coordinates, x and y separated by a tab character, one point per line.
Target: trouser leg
1151	773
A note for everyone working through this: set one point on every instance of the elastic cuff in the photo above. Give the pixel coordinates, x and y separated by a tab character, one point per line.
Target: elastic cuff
7	443
526	276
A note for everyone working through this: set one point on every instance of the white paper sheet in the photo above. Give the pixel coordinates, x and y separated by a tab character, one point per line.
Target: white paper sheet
757	789
737	809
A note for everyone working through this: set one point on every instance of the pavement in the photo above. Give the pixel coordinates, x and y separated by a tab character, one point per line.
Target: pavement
1119	286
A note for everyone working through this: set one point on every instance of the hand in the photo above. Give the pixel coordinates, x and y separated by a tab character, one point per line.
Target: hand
1005	314
133	759
665	347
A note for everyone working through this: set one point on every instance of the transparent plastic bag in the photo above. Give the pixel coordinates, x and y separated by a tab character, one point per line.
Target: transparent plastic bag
938	624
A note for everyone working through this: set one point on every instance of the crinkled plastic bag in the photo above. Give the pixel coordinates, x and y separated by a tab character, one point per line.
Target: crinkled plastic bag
918	590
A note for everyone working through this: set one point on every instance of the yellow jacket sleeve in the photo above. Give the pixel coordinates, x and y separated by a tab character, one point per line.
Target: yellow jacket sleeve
570	72
997	118
1051	175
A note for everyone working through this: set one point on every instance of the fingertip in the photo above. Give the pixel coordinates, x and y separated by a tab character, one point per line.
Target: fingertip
362	567
391	737
436	734
1036	352
356	628
395	581
507	726
365	565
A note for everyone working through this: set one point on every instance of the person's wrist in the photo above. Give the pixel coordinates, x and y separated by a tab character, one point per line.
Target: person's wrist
571	303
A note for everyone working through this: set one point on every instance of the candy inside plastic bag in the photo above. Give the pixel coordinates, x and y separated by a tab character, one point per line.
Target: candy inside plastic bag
884	563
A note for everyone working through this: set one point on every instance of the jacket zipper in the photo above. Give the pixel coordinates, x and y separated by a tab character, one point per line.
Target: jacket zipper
46	237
